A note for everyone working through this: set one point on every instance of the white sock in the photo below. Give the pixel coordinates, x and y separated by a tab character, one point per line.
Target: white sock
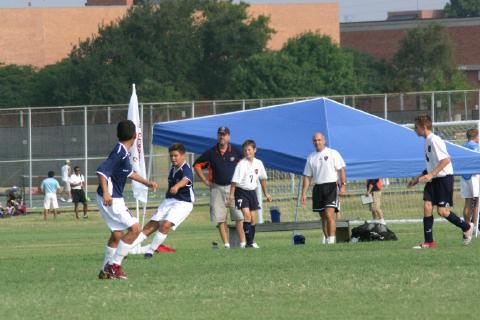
136	245
331	240
109	252
121	252
157	240
324	240
226	245
243	244
382	221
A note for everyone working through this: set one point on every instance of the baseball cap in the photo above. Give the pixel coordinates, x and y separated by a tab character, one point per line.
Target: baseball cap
223	130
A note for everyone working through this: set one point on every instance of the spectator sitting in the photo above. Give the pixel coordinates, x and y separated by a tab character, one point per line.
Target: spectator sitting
2	212
21	206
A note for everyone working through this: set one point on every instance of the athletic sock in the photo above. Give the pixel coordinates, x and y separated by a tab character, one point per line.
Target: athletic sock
136	245
427	228
121	252
157	240
109	252
331	240
252	230
247	228
453	218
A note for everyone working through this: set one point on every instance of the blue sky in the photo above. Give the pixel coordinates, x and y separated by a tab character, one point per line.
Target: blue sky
350	10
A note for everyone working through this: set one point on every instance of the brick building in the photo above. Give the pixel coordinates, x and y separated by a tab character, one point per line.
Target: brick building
381	39
42	36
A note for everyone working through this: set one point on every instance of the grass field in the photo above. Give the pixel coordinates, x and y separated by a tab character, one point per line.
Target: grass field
48	271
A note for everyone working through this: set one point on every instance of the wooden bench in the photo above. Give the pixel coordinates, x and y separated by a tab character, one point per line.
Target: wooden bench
343	229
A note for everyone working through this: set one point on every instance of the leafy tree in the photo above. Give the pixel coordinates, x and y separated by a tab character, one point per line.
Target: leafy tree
462	9
16	85
371	75
307	65
425	62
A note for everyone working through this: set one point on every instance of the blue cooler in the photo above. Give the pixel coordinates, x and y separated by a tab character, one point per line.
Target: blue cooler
275	214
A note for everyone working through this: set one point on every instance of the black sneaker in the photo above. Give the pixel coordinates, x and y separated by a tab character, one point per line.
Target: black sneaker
148	256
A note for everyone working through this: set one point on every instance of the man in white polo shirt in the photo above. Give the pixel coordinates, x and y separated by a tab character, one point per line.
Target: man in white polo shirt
325	168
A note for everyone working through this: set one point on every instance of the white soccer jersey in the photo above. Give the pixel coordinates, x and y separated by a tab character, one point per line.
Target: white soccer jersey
323	166
436	151
247	173
65	171
77	179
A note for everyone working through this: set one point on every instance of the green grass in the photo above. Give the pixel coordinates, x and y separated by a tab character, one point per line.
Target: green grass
48	271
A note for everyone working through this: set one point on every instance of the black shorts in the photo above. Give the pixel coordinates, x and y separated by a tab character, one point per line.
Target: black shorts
439	191
325	195
78	195
246	199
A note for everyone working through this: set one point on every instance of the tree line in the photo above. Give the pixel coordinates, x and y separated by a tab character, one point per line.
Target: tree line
212	49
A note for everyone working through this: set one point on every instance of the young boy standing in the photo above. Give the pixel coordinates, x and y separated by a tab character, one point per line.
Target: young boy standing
438	189
469	184
247	173
177	205
112	177
50	187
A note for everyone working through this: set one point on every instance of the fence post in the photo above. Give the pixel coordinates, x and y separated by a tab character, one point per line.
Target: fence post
385	107
30	168
243	105
85	137
449	106
193	110
465	104
21	118
214	105
433	107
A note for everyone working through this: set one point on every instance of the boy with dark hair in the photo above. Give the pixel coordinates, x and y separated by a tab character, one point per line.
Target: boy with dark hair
470	184
50	187
177	205
112	177
438	189
245	179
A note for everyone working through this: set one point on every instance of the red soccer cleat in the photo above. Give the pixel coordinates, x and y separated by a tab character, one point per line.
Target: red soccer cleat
115	271
164	248
426	245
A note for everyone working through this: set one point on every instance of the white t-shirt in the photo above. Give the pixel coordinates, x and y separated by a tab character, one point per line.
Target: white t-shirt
247	173
77	179
436	151
65	170
323	166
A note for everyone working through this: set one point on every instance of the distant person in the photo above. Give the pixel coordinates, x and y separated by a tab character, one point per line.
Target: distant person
221	161
374	188
66	173
112	177
77	183
439	181
176	207
469	184
50	187
248	172
326	169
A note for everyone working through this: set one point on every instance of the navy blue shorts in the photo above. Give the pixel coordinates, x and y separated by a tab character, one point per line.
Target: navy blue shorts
439	191
246	199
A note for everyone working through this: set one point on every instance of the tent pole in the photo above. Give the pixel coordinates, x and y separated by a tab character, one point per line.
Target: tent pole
300	181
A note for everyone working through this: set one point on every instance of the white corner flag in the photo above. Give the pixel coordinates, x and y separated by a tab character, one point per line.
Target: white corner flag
137	158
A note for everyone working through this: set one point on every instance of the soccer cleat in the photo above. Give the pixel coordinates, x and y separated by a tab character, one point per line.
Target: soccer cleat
103	275
164	248
426	245
115	272
147	256
467	235
62	199
255	245
85	217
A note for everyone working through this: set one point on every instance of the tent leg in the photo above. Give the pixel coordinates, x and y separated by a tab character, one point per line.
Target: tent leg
295	218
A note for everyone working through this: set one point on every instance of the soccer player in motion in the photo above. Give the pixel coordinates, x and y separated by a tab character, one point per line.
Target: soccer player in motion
247	173
175	208
438	189
112	176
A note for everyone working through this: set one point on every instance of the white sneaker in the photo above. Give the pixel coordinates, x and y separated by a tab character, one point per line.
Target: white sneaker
69	200
226	245
62	199
243	245
467	235
255	245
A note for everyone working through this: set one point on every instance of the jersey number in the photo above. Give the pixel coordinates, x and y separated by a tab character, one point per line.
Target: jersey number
251	178
239	201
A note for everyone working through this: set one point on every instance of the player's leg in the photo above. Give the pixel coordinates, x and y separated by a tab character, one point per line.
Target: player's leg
149	228
218	211
85	209
247	225
75	206
467	209
329	214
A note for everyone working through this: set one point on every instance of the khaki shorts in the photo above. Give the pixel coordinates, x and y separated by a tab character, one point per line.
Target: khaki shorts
377	200
218	210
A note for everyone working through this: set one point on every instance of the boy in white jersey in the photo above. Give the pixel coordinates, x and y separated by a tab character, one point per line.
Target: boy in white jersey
247	173
326	169
438	189
470	184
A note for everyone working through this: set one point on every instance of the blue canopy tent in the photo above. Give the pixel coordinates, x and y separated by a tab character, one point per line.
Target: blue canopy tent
372	147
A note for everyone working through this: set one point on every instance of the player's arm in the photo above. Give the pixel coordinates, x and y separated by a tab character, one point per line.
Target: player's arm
415	180
343	180
306	184
136	177
180	184
231	195
430	175
263	183
107	197
201	163
369	188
